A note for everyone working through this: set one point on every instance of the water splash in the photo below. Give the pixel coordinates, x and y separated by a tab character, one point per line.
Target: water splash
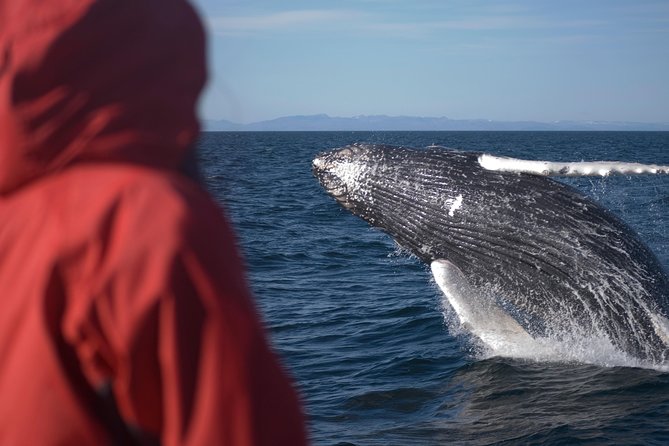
569	346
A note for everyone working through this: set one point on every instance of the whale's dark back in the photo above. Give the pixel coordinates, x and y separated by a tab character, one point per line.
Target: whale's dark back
546	250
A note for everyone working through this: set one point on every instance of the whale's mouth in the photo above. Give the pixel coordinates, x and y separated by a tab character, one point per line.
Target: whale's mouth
323	168
333	185
335	171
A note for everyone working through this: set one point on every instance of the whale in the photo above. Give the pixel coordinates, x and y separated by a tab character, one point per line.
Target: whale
518	255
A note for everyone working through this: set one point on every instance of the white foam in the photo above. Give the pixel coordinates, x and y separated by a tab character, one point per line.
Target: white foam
573	348
583	168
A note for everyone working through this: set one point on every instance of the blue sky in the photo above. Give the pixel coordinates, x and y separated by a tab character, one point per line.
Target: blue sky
464	59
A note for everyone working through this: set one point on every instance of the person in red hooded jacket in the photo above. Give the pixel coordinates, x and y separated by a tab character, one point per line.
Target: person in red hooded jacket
125	315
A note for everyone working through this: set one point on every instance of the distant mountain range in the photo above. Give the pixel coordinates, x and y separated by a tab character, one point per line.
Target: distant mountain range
324	122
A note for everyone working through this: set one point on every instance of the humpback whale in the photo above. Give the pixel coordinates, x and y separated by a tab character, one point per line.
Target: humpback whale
517	254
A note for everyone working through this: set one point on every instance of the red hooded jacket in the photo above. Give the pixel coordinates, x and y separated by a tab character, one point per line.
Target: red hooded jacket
124	315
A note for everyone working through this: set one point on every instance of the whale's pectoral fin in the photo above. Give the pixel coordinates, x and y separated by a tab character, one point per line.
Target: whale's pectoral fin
579	168
477	313
456	289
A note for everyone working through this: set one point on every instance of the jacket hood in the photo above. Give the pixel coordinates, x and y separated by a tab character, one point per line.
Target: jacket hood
105	80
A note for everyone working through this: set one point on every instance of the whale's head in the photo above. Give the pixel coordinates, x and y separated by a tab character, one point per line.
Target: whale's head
350	174
392	187
341	172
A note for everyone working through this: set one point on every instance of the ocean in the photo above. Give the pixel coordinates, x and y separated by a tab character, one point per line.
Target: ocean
361	327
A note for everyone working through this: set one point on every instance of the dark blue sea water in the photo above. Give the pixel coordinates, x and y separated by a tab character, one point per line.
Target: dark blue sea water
361	327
